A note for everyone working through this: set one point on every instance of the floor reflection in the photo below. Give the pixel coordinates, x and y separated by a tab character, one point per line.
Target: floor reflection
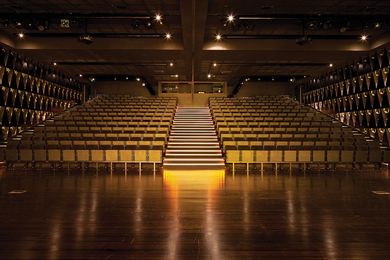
202	186
194	214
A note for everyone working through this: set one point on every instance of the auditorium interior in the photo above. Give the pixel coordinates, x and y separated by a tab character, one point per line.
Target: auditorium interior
194	129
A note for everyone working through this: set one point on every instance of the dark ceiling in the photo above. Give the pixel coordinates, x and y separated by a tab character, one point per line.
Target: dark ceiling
262	39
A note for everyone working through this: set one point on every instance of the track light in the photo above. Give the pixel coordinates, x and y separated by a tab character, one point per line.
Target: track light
168	36
218	37
158	18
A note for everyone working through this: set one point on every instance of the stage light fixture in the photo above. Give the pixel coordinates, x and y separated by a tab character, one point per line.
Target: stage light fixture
158	18
230	18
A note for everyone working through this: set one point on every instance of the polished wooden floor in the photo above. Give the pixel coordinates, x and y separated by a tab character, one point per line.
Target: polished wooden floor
194	215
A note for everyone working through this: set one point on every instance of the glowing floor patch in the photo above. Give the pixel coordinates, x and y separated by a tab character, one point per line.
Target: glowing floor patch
381	192
17	192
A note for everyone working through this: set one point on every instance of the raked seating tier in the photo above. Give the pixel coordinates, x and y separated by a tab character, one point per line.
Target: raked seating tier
277	129
108	128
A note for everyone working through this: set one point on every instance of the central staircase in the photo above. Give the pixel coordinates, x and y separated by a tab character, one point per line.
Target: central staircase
193	141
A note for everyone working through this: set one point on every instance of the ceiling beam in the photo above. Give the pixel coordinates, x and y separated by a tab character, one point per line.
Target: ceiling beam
200	20
186	26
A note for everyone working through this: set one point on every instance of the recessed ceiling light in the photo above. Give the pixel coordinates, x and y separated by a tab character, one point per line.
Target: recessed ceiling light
168	36
230	18
215	64
21	35
331	65
218	37
171	64
364	37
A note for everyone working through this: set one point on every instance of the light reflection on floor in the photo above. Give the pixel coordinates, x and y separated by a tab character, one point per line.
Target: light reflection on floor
194	214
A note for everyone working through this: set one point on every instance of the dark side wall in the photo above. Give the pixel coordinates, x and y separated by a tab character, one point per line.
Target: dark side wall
133	88
266	89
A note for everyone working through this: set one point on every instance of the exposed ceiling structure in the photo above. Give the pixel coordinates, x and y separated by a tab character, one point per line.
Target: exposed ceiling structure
288	38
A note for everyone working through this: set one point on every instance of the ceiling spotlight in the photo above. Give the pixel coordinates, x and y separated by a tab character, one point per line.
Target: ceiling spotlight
158	18
127	78
138	79
209	75
176	75
218	37
143	84
171	64
230	18
331	65
168	36
55	63
214	64
377	25
80	75
21	35
364	37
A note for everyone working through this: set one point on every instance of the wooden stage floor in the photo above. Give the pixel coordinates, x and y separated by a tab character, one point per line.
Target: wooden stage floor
188	215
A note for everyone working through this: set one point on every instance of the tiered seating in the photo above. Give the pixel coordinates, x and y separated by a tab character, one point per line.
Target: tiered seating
279	130
107	129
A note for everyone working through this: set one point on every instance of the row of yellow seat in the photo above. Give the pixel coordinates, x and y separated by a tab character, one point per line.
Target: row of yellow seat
276	124
98	136
277	130
101	129
109	123
307	156
82	155
296	144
